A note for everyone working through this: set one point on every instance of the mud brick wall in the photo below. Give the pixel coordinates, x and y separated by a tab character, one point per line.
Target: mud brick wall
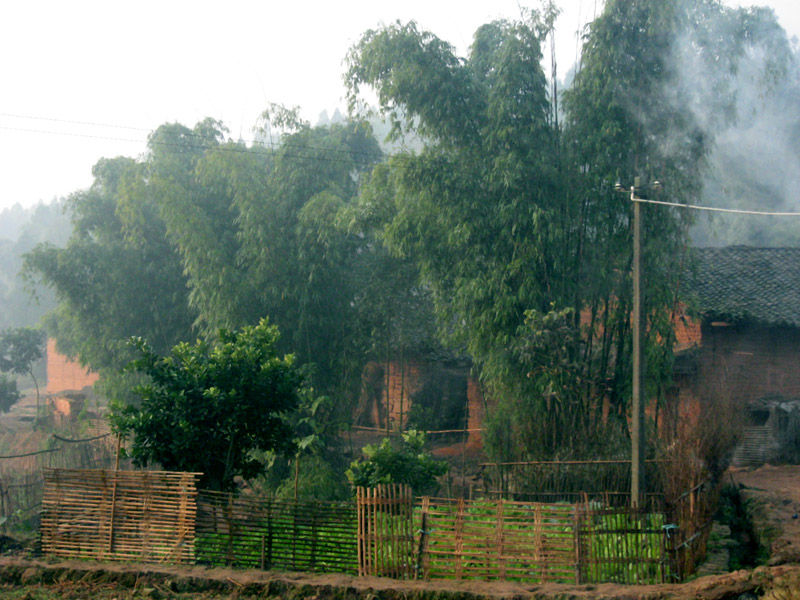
63	374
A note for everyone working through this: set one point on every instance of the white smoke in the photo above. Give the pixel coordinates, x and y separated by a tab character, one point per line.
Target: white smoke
748	102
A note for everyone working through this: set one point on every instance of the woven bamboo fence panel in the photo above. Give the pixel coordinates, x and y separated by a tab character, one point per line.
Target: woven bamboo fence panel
693	512
119	515
501	540
266	533
385	535
621	545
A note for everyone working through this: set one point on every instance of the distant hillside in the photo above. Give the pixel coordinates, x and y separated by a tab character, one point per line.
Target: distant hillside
20	230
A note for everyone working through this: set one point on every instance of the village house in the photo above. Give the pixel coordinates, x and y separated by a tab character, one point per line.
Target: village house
745	346
67	384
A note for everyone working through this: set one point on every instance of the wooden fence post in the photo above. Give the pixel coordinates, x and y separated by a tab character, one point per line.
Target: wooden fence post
459	538
578	549
420	570
360	534
499	538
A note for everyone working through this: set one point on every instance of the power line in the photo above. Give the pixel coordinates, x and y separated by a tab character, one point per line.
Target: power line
714	209
265	147
72	122
263	143
268	147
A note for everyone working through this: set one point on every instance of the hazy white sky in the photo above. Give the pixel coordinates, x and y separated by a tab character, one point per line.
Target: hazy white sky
85	79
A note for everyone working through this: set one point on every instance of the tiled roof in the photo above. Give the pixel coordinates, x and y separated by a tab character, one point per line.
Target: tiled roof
742	283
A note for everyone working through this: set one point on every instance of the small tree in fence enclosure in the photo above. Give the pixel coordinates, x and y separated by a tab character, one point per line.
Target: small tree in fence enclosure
209	405
406	462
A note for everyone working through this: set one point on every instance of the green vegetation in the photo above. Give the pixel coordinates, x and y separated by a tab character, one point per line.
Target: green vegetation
9	394
497	238
20	348
289	541
736	512
206	406
406	461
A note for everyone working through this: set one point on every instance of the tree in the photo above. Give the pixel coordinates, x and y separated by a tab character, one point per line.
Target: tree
118	275
258	234
208	406
19	349
22	229
405	462
480	211
512	220
9	394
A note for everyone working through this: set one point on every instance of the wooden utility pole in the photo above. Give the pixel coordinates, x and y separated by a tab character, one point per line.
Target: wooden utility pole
638	433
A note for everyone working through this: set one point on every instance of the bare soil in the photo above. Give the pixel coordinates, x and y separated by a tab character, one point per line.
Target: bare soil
774	495
24	578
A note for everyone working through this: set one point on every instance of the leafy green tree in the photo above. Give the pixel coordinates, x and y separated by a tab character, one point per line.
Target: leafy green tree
9	394
19	349
258	234
209	406
512	219
635	110
478	209
405	462
118	276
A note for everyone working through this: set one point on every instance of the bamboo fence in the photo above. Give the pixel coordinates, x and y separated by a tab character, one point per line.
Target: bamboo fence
539	542
606	481
496	540
130	515
385	537
622	545
267	533
119	515
693	513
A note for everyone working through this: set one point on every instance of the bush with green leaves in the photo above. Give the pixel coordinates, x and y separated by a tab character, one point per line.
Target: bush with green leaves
404	462
9	394
208	406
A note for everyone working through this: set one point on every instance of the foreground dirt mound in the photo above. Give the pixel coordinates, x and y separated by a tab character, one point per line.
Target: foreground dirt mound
33	580
774	492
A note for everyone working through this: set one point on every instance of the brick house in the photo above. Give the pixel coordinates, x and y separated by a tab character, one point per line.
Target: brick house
441	394
745	345
67	382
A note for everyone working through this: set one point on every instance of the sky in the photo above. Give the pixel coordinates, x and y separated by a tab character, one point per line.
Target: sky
82	80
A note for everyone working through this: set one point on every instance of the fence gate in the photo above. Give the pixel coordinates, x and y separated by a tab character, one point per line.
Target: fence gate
385	533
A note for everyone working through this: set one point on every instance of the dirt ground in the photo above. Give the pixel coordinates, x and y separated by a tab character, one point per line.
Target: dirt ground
774	493
41	580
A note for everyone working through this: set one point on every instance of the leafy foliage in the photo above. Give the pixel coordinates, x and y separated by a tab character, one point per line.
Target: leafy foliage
512	219
20	348
407	462
117	277
208	406
9	394
20	230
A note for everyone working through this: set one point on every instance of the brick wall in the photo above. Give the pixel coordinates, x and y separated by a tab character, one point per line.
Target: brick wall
64	375
476	413
748	362
394	387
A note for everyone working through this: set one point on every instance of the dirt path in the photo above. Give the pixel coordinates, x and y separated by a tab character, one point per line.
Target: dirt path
774	493
35	580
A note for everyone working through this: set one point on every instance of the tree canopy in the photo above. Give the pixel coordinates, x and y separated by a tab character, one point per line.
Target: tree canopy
20	348
510	214
208	406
